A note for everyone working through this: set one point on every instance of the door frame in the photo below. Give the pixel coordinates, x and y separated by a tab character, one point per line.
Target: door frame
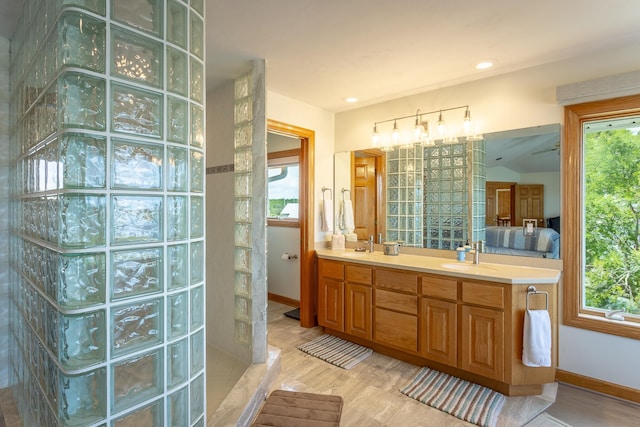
306	213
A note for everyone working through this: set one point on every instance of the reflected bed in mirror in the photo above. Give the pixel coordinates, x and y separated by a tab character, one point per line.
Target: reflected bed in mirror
515	176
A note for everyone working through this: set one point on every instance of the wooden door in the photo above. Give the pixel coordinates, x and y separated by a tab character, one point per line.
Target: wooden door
499	201
439	331
483	341
364	197
529	203
358	310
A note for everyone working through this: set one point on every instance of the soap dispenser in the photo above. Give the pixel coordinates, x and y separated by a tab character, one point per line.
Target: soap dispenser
460	253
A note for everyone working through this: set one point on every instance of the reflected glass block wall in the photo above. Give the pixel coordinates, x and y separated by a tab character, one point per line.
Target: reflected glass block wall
107	112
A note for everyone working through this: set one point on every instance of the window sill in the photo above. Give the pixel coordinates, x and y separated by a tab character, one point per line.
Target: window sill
291	223
599	323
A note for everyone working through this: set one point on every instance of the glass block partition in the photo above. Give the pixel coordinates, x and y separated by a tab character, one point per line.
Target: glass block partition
107	218
445	196
250	241
404	196
477	154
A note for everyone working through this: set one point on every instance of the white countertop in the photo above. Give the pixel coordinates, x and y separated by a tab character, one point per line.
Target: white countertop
502	273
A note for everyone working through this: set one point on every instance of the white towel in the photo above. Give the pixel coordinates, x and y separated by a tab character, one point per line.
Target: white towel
347	215
536	337
327	215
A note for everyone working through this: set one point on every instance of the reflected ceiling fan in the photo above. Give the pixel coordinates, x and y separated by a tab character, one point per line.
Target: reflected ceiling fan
556	147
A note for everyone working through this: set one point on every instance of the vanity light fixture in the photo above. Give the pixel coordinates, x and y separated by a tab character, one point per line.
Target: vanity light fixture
420	132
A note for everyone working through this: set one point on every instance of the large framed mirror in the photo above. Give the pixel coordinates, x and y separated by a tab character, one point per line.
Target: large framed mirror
504	190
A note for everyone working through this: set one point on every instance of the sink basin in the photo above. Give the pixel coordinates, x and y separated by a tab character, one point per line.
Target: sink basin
476	268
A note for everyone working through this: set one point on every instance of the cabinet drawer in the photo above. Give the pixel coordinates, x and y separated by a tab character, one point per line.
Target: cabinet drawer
440	288
480	294
397	280
331	269
396	329
357	274
396	301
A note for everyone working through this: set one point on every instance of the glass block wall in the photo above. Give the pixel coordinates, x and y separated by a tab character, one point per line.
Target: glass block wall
479	188
404	196
250	238
107	246
445	196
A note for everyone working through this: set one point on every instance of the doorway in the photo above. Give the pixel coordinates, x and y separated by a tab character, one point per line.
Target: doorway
306	217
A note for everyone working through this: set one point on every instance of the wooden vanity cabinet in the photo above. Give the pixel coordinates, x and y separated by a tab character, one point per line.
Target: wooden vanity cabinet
439	319
469	328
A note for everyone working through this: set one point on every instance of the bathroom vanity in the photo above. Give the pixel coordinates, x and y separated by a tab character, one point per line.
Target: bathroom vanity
460	318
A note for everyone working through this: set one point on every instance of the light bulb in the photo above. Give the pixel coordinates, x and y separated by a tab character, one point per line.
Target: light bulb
395	135
467	122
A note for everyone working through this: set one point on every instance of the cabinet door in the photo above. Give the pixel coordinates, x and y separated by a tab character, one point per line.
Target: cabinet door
398	330
439	331
331	303
358	310
483	341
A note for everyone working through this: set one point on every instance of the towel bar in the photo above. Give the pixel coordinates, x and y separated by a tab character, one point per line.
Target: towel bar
531	290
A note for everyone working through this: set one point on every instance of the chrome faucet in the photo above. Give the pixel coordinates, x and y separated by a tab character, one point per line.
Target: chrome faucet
477	246
371	243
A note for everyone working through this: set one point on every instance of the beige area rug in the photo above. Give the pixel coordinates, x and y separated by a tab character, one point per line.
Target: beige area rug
546	420
336	351
463	399
292	409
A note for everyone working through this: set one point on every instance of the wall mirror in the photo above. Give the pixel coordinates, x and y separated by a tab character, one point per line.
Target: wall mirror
511	176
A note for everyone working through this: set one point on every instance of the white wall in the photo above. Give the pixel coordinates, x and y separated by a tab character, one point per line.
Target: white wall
293	112
517	100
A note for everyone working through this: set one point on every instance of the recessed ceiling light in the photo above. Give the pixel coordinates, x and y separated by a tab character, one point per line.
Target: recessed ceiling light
351	100
484	64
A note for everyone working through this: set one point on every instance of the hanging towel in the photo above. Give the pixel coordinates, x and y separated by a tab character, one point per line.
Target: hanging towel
327	215
536	337
347	215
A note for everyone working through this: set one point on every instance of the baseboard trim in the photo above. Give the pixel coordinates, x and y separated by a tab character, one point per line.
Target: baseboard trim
615	390
283	300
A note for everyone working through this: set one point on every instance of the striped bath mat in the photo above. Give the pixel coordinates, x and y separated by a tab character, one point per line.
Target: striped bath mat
468	401
336	351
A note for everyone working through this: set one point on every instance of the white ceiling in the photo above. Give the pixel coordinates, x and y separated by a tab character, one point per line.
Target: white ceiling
320	52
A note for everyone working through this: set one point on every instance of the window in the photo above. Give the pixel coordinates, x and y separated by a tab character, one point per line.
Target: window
283	188
601	210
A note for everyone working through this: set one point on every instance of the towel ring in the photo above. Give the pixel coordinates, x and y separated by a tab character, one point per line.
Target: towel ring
344	190
531	290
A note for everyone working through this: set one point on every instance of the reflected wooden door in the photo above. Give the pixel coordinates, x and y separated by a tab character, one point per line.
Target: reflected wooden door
364	197
530	203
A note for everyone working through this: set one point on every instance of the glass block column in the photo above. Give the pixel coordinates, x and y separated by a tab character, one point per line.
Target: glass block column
404	196
477	151
445	196
107	246
250	172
